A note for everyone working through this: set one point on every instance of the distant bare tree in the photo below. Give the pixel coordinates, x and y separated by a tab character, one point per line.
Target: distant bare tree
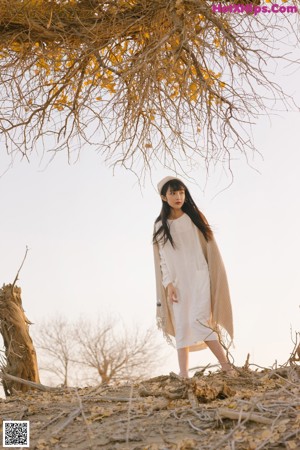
111	350
115	353
54	339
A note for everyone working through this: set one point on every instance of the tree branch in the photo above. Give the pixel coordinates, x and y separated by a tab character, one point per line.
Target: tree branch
17	276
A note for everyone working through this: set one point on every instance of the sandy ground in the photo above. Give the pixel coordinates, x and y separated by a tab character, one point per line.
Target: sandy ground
255	410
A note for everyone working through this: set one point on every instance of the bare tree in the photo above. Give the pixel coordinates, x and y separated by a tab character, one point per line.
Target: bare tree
55	342
104	349
142	81
115	353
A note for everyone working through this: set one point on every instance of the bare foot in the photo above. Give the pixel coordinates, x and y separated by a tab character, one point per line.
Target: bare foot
226	366
228	369
232	373
183	374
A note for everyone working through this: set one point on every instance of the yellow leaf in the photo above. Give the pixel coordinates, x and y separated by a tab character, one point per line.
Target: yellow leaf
16	47
232	405
42	63
193	87
63	99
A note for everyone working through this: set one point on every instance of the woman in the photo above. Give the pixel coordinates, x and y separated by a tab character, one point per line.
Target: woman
193	298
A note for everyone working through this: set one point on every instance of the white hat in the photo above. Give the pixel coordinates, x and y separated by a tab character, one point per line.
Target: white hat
164	181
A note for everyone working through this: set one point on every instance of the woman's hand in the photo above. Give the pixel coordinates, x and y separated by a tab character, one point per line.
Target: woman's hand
171	293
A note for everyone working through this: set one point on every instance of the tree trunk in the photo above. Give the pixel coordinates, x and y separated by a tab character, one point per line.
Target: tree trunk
20	354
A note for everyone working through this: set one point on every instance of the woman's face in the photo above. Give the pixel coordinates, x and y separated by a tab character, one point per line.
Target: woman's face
175	199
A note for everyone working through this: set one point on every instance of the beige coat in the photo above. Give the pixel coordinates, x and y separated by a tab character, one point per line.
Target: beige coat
221	311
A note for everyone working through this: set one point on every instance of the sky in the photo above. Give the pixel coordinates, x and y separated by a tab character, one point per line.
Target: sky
89	234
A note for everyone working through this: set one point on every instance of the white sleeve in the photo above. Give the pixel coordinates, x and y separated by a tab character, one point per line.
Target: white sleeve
166	278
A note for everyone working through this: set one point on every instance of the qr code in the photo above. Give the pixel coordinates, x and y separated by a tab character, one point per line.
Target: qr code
15	433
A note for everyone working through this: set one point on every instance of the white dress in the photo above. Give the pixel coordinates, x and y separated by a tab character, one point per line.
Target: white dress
185	266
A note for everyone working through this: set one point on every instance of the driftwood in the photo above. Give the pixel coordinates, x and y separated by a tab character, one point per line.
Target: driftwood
20	355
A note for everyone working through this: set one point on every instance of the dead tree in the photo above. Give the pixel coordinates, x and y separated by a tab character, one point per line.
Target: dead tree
116	354
20	355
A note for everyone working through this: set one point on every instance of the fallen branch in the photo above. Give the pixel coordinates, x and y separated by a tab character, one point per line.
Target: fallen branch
42	387
241	415
116	399
32	384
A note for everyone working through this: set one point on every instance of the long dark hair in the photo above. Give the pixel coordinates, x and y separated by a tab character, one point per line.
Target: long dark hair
189	207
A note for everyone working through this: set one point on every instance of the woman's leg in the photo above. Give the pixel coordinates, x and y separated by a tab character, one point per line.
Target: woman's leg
219	353
183	360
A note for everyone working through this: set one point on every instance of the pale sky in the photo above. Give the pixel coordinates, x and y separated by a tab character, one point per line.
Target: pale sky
89	235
